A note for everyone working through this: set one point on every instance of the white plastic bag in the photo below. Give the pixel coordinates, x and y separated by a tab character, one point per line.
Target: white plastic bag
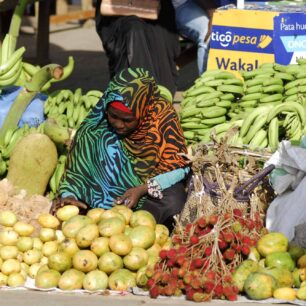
289	208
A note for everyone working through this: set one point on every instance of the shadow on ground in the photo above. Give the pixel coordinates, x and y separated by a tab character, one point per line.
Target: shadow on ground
91	70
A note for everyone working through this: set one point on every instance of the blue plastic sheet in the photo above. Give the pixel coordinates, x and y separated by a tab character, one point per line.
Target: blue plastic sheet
34	113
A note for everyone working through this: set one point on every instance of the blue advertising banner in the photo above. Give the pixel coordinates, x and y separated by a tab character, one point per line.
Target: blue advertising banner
289	37
241	39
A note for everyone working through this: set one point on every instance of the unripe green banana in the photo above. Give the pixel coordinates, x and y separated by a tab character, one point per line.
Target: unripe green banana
284	76
214	121
273	81
273	89
258	138
252	96
214	83
259	122
224	103
96	93
253	89
234	89
301	75
289	107
227	96
13	59
8	136
12	72
248	104
271	98
248	121
233	82
213	112
29	68
273	134
279	67
224	75
294	83
292	91
11	81
254	82
77	96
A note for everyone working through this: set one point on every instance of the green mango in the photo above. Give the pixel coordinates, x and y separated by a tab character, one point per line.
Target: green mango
280	260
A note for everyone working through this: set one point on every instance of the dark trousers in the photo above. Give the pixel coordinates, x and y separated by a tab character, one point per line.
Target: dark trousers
172	203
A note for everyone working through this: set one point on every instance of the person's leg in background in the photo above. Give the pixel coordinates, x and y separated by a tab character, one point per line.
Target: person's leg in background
192	23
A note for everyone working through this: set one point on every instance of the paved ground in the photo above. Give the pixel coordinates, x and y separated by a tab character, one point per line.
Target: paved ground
82	42
35	298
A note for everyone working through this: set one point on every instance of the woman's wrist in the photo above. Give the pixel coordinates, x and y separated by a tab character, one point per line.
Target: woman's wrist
143	189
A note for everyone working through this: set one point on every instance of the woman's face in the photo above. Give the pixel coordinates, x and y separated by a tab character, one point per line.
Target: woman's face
123	123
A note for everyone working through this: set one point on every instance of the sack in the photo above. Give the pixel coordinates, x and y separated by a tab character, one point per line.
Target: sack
148	9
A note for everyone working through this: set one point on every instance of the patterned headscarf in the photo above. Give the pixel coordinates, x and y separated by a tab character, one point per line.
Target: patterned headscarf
155	145
101	166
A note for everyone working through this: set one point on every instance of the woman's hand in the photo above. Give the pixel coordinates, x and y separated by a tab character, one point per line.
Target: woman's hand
61	202
131	197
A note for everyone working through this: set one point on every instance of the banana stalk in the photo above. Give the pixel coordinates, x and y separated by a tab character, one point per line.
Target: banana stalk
26	96
17	17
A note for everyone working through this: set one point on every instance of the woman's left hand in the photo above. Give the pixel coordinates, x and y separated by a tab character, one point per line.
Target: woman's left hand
131	197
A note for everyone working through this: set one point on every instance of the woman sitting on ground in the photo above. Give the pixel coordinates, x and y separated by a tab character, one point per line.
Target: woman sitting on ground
129	150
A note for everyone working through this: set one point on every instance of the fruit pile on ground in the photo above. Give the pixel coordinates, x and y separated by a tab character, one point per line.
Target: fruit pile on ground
275	268
204	254
103	249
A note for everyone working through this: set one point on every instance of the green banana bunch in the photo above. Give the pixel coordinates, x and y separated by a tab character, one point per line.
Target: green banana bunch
11	65
69	108
58	174
11	138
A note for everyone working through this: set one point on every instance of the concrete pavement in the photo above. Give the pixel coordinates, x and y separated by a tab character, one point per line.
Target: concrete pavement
36	298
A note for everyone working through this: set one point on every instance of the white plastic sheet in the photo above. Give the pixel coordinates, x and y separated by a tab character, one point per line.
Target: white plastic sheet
289	208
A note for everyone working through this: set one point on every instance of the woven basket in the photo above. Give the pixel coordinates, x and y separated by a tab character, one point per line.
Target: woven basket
223	180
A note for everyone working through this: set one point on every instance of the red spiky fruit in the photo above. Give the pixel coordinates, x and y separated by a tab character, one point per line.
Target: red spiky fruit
171	253
182	249
229	254
237	212
150	282
202	222
213	219
197	263
194	239
222	244
218	291
154	292
245	249
163	254
208	286
208	251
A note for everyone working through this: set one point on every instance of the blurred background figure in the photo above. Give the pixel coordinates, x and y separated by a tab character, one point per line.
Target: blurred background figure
130	41
193	20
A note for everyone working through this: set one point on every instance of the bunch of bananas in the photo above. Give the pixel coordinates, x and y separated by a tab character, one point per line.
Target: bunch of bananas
28	71
207	103
10	62
57	176
69	108
269	107
12	137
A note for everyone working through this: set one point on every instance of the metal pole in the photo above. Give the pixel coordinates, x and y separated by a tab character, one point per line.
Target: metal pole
42	43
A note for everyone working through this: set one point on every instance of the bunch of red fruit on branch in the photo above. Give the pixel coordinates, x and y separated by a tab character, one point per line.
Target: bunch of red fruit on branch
204	255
